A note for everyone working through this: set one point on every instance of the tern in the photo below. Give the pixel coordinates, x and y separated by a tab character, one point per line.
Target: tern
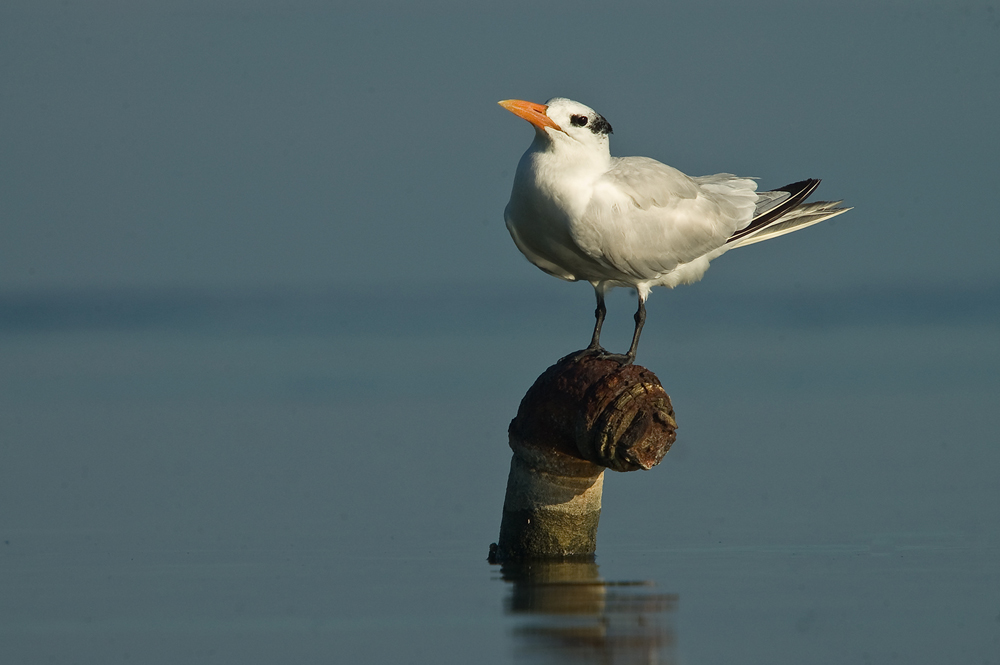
578	213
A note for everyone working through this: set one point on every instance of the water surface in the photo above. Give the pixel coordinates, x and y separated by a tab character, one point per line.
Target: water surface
317	477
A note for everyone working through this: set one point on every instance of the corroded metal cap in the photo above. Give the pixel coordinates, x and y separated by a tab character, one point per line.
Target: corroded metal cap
595	409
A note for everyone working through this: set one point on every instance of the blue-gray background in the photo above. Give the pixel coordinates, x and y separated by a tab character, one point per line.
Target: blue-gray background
261	327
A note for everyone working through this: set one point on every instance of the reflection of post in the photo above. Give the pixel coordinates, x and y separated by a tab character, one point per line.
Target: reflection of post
582	415
575	617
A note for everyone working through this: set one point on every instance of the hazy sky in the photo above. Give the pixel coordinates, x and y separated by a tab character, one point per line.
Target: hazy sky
238	144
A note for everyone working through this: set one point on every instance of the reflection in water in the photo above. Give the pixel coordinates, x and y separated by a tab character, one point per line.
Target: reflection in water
572	616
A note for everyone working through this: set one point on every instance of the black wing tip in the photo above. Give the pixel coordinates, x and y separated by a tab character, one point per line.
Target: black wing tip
808	185
797	193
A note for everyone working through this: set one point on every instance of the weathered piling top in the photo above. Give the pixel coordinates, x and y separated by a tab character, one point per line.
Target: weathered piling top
594	409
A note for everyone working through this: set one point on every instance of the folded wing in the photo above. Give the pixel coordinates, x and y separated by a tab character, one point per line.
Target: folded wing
646	218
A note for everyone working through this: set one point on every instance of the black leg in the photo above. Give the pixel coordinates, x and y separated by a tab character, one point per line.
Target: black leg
599	313
640	319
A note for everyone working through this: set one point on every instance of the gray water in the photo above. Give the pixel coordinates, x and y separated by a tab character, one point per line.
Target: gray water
317	478
262	332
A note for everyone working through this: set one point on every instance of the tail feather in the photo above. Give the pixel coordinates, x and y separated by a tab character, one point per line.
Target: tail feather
805	215
790	214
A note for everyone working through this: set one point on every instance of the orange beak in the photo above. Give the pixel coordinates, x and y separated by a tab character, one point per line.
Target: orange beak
533	113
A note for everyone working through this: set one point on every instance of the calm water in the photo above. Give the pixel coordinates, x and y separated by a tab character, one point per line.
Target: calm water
213	476
316	477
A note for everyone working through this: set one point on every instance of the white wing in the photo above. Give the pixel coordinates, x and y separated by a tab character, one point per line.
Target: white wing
646	218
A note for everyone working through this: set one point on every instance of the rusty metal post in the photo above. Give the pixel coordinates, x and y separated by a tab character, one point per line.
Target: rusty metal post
582	415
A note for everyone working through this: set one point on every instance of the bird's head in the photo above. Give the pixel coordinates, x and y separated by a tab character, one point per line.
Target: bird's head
560	119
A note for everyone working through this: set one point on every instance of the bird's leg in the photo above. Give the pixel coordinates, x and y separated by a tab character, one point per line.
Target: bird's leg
599	313
595	348
640	319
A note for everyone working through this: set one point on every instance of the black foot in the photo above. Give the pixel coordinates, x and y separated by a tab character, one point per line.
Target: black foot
601	353
623	358
589	351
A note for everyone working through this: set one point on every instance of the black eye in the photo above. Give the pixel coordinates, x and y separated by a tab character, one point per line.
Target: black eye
578	120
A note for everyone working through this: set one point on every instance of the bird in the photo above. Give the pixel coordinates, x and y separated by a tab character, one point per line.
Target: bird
580	214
